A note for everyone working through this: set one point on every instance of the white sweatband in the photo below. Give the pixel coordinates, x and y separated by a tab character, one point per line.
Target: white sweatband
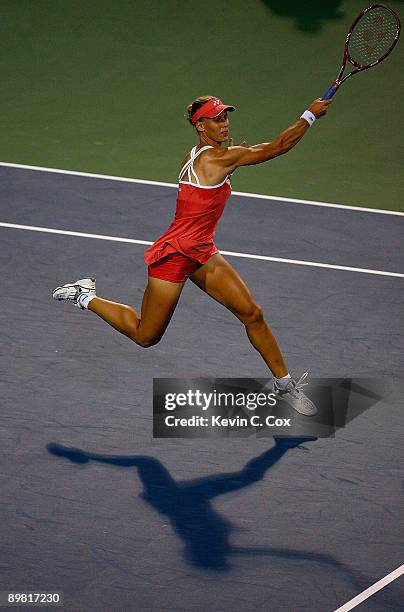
308	116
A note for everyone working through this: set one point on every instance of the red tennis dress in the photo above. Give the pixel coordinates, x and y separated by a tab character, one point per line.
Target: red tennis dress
188	242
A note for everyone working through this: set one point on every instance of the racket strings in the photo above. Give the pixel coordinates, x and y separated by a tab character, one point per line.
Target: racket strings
373	36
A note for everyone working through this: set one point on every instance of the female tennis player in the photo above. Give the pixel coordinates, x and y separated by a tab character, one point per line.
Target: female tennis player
186	249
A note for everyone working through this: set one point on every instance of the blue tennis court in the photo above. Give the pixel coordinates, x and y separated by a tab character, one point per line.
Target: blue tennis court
128	522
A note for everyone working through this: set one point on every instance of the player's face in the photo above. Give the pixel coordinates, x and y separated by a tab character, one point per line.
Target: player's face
217	129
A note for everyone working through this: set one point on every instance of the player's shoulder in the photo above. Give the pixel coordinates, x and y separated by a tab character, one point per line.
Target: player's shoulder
214	153
209	154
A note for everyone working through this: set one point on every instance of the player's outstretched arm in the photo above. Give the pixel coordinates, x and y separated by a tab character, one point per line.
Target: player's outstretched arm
234	157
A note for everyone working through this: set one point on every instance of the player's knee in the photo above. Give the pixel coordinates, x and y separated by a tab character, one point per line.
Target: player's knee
144	338
252	314
148	341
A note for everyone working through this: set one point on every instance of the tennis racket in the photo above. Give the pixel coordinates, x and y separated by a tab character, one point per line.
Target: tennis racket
370	39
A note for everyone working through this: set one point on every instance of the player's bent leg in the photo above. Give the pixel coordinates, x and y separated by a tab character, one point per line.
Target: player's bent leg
159	301
219	280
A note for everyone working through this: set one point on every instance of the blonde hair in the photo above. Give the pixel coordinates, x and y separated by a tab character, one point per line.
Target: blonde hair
195	105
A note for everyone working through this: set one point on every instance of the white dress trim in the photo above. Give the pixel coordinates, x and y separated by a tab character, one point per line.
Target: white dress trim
189	167
226	180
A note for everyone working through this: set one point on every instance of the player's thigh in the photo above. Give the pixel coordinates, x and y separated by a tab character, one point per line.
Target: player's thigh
159	301
221	281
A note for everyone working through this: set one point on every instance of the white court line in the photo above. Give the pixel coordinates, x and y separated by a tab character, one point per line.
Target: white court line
297	262
371	590
236	193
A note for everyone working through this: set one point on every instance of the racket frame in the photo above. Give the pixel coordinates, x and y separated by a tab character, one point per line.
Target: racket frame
346	56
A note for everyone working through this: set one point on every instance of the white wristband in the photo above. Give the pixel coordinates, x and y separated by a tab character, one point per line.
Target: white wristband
308	116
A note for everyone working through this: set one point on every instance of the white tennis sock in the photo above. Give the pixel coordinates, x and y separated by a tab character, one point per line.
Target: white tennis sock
282	383
85	299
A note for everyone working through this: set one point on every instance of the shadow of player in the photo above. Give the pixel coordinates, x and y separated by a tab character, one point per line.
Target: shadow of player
204	531
188	505
310	16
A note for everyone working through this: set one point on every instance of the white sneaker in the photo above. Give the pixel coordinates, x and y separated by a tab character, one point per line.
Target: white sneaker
294	396
72	292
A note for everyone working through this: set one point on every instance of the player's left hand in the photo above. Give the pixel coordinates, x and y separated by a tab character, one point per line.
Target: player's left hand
242	144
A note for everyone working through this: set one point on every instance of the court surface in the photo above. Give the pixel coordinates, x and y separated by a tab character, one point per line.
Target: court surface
154	528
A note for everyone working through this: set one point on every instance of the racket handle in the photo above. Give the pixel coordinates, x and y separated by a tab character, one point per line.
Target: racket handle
330	92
